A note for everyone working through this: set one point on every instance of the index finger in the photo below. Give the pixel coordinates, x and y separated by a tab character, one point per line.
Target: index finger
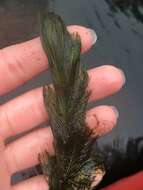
21	62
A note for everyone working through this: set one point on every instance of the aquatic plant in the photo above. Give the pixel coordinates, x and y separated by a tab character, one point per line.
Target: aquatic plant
75	166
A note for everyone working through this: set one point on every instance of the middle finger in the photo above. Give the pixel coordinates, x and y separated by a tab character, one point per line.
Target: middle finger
28	110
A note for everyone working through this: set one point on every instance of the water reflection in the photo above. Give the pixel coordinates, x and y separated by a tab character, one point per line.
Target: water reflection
128	7
122	162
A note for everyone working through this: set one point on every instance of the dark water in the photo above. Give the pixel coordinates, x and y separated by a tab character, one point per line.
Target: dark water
119	26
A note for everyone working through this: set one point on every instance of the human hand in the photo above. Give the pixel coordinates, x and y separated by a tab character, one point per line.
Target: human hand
20	63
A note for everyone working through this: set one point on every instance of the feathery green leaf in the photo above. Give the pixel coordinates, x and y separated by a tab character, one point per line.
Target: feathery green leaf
74	165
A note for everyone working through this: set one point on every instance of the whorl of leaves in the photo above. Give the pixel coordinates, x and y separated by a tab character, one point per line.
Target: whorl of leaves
73	166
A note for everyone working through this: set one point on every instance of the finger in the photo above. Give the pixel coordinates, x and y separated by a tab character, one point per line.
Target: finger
102	119
35	183
28	110
21	62
134	182
23	152
4	181
104	81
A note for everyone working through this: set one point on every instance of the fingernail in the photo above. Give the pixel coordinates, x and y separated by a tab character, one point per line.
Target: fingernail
123	76
115	111
93	35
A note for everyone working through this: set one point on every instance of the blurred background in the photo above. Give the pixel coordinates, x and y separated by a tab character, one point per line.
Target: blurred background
119	27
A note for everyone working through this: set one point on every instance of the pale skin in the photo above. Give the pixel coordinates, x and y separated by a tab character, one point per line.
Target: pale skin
20	63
